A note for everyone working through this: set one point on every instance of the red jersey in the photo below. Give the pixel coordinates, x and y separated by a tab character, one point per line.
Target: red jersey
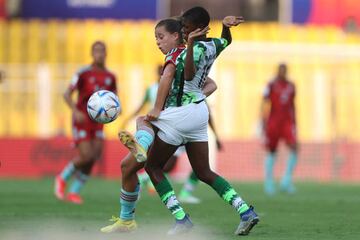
89	80
281	94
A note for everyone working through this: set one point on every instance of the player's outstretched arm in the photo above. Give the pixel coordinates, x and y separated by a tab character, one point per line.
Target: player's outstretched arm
190	68
163	91
228	22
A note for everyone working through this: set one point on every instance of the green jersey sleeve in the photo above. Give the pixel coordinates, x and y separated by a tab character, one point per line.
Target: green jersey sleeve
220	44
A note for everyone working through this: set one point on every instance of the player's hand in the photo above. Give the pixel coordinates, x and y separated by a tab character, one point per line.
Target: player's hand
263	126
219	145
230	21
197	33
79	116
153	115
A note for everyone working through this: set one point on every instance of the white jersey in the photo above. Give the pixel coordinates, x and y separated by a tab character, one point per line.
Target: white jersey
205	53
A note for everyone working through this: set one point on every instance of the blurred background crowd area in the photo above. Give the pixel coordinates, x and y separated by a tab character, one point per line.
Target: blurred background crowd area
43	43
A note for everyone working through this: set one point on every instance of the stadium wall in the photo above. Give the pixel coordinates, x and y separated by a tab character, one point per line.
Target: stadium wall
38	59
240	160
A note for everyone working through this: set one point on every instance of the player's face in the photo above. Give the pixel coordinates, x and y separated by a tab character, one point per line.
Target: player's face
99	54
282	71
187	28
165	40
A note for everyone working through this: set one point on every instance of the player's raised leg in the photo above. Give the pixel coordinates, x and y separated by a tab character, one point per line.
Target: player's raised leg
143	139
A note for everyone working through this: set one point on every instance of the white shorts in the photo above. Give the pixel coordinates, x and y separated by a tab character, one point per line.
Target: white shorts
180	125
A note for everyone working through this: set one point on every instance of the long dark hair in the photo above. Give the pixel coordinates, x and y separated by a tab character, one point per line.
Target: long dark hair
172	25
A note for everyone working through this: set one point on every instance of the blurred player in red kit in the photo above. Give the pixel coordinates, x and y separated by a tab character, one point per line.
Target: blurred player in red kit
88	135
279	123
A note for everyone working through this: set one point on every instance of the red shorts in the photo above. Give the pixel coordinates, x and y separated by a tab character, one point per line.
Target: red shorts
87	130
276	130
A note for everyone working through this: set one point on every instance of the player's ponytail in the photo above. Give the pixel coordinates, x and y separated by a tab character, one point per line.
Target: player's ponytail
172	25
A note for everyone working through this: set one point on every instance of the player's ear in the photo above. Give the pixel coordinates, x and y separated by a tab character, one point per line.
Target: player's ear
177	36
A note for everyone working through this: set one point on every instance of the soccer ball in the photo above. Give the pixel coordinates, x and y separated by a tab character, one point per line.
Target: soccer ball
103	106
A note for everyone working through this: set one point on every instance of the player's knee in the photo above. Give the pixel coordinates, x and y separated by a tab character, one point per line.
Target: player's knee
272	150
140	120
293	147
151	168
87	168
148	168
205	176
97	154
88	156
125	167
170	164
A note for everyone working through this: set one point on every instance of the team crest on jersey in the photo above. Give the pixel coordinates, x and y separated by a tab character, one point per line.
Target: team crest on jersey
108	81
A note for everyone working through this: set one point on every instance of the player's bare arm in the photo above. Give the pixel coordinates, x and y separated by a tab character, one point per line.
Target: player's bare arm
264	111
228	22
78	115
209	87
163	91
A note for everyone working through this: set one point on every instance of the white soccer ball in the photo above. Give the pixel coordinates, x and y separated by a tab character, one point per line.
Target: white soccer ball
103	106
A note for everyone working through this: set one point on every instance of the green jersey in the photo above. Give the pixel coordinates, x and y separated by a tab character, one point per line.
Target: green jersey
184	92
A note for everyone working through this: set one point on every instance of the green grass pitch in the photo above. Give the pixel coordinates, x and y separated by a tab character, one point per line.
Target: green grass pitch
28	210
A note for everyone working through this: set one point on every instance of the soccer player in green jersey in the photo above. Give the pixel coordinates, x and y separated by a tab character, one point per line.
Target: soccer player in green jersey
185	119
168	32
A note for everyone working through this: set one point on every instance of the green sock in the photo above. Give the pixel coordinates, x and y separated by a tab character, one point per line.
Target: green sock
167	196
189	185
226	192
